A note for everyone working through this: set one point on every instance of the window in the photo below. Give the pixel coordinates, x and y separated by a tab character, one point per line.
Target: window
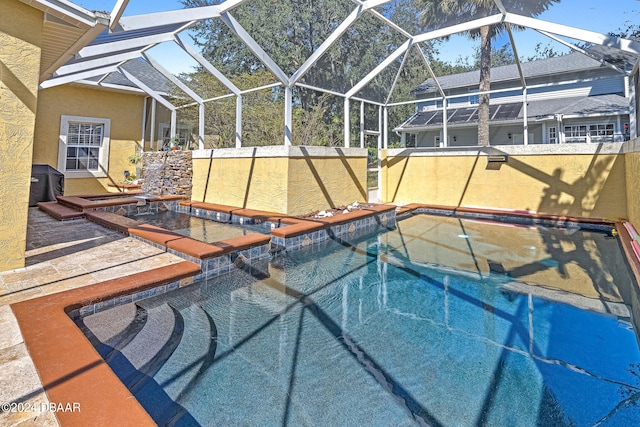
553	135
474	99
83	147
589	133
601	132
575	133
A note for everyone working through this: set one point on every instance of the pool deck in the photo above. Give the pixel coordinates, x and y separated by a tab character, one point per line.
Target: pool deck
60	256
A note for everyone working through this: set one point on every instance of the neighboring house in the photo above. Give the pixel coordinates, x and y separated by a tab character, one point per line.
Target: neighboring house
569	99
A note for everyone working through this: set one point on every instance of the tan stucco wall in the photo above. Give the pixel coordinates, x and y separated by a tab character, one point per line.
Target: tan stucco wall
584	185
279	179
125	112
325	182
21	41
632	162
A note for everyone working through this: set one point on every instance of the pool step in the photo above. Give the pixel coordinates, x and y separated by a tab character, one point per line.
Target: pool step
198	342
190	360
60	212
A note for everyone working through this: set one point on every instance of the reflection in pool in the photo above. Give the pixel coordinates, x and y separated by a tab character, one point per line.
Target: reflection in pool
441	321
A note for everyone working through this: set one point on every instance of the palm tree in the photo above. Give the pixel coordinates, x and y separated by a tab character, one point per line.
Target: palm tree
442	13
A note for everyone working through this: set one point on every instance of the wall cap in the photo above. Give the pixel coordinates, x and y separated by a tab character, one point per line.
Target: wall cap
513	150
279	151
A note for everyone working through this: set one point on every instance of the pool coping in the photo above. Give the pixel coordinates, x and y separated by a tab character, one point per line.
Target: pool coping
69	367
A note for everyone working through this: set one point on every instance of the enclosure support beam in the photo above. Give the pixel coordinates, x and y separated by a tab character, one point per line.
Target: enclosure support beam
201	126
152	125
524	113
239	121
288	115
385	127
144	123
361	124
379	159
445	130
347	124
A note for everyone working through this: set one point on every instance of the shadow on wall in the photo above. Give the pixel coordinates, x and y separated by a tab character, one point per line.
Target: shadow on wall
589	195
18	88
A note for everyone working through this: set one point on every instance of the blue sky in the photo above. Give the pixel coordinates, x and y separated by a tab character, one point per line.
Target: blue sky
596	15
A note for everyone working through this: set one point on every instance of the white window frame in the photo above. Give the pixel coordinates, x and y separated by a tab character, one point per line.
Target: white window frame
552	132
103	157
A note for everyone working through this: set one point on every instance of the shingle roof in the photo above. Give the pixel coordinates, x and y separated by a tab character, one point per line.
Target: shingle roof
142	70
572	62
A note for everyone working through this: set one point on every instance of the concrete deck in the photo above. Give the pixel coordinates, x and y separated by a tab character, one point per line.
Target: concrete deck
60	256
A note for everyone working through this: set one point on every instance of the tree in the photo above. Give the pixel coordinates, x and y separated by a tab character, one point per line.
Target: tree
289	32
442	13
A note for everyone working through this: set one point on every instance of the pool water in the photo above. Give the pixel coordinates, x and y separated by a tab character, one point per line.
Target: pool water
442	322
205	230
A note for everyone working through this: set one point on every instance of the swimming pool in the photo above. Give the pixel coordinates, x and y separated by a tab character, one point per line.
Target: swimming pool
204	230
443	321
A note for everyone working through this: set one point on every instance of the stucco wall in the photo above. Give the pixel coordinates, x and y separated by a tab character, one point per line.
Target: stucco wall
292	180
572	179
21	40
125	112
632	163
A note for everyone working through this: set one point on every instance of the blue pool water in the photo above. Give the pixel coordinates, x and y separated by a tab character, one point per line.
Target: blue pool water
442	322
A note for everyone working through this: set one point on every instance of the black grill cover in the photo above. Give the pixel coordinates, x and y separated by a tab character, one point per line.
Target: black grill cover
46	184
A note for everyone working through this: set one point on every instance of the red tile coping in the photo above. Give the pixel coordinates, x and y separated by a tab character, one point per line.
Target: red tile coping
166	198
514	213
343	218
195	248
125	186
155	234
80	203
297	229
98	196
627	245
211	207
175	241
111	220
241	243
70	369
59	211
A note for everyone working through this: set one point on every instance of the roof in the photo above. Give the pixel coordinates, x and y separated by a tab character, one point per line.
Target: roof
66	29
577	106
143	71
572	62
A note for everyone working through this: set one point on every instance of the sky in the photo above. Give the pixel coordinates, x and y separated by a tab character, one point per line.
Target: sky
601	16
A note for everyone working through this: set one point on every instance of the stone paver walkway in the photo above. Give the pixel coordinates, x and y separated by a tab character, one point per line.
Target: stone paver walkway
60	256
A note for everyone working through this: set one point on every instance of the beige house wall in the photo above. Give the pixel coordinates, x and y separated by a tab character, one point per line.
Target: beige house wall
124	111
20	41
291	180
632	171
584	180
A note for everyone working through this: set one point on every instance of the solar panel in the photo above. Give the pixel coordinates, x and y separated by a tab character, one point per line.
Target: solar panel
506	111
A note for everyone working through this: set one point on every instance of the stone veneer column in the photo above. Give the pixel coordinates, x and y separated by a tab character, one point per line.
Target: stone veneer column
21	40
167	172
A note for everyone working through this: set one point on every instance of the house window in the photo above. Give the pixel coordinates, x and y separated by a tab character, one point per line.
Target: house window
601	132
575	133
83	146
474	99
553	135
